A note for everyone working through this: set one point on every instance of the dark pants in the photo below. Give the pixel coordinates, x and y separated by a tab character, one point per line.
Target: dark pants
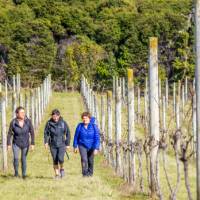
24	152
58	154
87	160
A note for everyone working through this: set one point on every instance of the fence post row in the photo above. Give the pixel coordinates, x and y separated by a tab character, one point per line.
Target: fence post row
34	109
159	98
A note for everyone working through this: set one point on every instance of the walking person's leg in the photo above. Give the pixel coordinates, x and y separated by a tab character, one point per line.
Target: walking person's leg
16	159
24	152
84	160
61	155
90	162
54	153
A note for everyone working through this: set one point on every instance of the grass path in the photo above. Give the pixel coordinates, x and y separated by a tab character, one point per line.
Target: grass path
40	184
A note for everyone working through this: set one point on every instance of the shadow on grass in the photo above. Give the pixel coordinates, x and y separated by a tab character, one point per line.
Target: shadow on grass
7	176
42	177
135	196
11	176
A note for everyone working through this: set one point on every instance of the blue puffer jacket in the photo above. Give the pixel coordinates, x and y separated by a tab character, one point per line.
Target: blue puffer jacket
90	137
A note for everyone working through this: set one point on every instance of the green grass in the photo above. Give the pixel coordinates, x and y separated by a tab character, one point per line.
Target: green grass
40	184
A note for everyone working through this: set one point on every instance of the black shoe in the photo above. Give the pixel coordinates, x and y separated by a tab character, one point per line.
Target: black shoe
90	175
24	177
62	173
16	174
87	175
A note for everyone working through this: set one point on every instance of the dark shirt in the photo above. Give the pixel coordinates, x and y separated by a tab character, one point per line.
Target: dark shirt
57	134
20	134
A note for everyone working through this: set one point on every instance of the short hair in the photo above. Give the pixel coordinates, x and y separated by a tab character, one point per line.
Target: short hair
18	109
55	112
85	114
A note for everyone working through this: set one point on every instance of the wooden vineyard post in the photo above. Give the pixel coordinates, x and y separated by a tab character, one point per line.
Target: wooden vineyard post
131	128
197	80
124	90
41	97
138	104
36	108
32	108
39	105
177	111
14	104
21	102
154	110
3	131
183	100
118	129
114	87
166	92
194	115
14	84
164	105
18	85
27	105
146	104
174	98
103	117
178	102
186	89
6	92
96	110
65	85
109	128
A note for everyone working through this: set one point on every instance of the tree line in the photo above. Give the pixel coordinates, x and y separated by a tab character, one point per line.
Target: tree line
98	38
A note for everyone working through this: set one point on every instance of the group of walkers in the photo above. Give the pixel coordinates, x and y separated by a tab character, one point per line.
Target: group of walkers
56	138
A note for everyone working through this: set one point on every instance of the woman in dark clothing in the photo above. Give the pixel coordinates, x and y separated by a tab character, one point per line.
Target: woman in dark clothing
87	140
21	129
57	136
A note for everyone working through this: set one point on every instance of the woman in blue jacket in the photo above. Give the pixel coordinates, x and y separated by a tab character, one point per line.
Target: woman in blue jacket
87	140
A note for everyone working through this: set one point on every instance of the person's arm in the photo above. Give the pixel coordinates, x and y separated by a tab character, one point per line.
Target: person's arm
68	136
10	134
76	136
96	137
32	133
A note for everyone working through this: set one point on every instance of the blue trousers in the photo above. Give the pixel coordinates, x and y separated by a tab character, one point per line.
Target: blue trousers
24	152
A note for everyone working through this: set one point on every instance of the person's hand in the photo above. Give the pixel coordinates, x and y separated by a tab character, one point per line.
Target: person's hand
9	147
32	147
67	148
75	150
95	152
46	145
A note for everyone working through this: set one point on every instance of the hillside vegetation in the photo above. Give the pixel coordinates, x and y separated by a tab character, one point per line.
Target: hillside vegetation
99	38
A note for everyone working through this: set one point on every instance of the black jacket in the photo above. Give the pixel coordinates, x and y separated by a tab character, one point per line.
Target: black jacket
57	134
21	135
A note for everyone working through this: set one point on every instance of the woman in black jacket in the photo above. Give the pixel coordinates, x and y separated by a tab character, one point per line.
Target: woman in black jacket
21	129
57	136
